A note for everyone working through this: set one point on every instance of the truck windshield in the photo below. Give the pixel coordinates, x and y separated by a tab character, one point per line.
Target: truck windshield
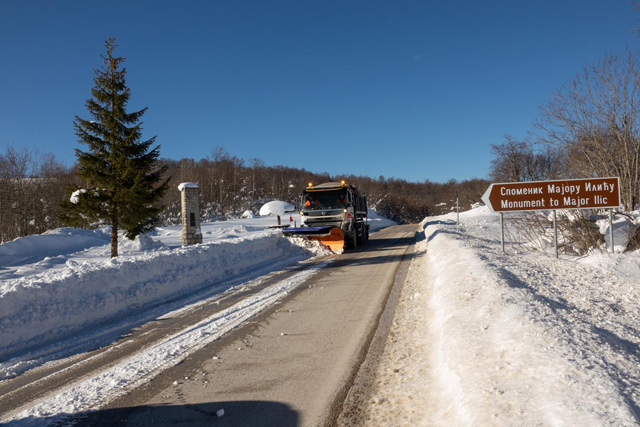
334	199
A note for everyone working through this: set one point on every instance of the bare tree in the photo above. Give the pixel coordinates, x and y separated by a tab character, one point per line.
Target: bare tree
595	120
510	162
517	161
31	188
18	166
256	166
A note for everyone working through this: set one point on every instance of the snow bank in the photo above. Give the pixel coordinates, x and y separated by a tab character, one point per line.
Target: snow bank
51	304
63	281
623	230
377	222
276	208
494	363
51	243
92	391
483	338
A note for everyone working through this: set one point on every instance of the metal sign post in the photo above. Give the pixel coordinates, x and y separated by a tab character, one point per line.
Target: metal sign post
502	228
555	232
611	229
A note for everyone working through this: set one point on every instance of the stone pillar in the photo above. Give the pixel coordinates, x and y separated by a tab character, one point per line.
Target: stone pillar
191	233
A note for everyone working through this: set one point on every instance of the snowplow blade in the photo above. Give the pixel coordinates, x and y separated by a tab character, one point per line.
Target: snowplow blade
330	237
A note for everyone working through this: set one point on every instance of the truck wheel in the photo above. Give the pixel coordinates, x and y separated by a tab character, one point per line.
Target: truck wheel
354	237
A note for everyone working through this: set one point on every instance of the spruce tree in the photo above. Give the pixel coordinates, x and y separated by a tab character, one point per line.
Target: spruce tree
123	184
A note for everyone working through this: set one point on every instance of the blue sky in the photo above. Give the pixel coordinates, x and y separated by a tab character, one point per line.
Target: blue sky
417	90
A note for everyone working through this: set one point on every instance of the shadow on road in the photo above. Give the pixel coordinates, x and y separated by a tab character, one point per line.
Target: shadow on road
236	413
370	260
381	244
372	248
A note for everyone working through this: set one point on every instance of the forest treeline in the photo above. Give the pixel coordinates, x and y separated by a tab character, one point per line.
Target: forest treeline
230	185
35	184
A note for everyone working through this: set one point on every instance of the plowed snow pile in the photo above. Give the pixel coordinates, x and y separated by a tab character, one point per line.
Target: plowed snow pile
483	338
60	291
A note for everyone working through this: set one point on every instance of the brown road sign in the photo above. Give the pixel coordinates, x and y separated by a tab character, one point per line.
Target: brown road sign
589	193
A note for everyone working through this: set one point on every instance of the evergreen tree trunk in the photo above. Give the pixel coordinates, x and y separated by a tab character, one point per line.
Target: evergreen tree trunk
114	240
114	232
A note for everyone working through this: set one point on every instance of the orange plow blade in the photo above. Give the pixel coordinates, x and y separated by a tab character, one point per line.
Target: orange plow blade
334	240
328	236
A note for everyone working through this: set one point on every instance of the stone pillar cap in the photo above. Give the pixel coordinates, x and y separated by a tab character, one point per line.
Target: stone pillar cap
184	185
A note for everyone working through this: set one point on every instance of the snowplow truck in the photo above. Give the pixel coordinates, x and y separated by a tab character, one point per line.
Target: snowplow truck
335	214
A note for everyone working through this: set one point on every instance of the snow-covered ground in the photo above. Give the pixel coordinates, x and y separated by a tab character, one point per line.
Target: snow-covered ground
482	338
55	285
61	294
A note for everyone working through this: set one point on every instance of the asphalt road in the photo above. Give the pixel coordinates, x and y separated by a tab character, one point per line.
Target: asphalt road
291	365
